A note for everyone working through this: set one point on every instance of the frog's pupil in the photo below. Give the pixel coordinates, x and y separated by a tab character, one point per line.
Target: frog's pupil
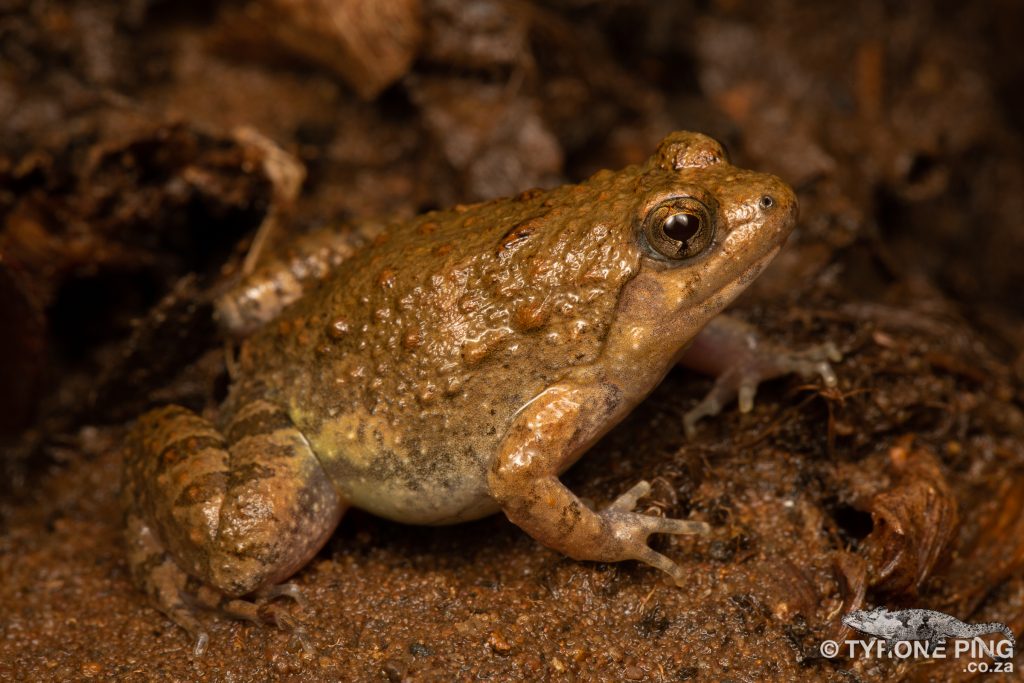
681	227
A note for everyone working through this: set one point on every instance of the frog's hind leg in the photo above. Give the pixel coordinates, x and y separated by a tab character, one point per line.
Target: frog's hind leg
154	570
215	517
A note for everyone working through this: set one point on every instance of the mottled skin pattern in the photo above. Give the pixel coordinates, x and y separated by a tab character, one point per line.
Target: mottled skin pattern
455	366
918	624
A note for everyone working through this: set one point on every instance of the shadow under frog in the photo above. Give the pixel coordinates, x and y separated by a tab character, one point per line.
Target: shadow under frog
454	366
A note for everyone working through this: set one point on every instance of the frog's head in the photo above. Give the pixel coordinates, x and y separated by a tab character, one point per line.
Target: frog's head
705	230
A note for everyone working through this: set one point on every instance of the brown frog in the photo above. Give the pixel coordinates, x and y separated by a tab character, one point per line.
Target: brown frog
454	366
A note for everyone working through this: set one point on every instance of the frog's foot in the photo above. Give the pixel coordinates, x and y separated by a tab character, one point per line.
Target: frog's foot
257	609
741	380
179	596
263	608
216	519
630	531
284	590
731	350
154	570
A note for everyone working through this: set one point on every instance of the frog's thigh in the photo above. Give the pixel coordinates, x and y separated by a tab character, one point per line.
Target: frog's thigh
238	511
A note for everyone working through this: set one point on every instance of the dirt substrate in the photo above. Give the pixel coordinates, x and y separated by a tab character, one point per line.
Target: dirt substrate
142	144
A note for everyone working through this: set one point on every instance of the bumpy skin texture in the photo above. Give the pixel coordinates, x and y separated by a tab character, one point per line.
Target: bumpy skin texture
451	367
405	368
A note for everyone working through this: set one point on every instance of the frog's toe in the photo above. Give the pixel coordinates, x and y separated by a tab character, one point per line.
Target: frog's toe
178	606
262	608
178	610
278	615
679	527
655	559
808	363
179	595
627	501
200	640
625	504
709	406
284	590
631	530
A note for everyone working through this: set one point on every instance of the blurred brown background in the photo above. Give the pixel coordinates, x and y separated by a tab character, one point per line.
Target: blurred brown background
136	149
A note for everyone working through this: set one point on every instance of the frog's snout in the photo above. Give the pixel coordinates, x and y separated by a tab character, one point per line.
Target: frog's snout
779	207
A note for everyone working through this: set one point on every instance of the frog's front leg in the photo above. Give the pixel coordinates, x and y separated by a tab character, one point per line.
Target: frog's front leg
212	517
740	359
545	438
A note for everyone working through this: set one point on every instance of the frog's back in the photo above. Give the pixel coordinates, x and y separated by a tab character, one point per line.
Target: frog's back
405	366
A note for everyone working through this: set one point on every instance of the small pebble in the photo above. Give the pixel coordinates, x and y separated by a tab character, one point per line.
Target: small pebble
499	643
92	669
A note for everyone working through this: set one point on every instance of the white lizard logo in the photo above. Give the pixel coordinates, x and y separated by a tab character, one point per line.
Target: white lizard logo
919	624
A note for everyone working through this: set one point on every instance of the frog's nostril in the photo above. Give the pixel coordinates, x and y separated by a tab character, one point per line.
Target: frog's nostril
767	201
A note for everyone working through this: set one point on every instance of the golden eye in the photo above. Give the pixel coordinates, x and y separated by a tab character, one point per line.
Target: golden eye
679	228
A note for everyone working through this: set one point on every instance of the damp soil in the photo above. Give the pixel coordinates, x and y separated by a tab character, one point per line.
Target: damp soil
143	144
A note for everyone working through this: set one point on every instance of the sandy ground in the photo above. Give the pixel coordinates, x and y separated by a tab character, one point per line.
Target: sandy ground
130	188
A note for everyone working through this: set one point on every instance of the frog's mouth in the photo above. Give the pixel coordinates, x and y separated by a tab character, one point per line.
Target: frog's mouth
679	328
720	297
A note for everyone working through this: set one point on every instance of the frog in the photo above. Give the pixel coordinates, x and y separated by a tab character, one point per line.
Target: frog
454	365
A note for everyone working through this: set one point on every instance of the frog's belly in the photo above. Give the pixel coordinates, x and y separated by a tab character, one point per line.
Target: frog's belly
440	490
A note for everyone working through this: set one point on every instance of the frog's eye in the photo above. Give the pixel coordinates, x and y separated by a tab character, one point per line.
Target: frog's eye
679	228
